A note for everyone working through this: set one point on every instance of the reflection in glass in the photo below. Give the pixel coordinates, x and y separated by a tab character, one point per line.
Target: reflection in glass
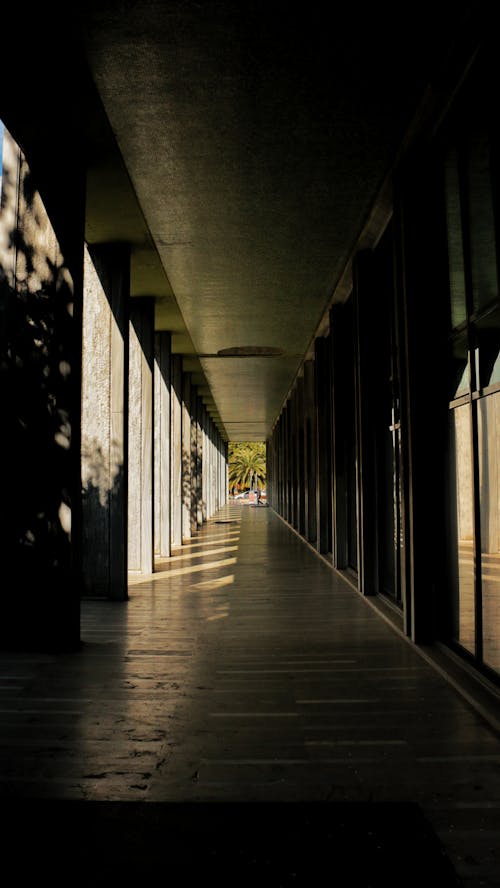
459	367
495	370
482	223
489	480
462	528
488	334
455	244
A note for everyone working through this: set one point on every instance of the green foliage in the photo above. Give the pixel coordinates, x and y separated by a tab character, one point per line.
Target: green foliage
247	465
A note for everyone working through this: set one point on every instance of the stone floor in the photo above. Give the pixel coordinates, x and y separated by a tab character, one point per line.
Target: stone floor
246	670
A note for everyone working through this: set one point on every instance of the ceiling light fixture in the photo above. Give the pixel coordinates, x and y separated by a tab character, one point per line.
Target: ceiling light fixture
250	351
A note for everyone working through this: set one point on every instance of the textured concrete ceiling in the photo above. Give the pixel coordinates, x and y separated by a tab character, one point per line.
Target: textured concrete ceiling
256	139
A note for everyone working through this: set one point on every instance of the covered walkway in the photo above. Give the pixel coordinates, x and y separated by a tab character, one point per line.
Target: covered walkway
247	670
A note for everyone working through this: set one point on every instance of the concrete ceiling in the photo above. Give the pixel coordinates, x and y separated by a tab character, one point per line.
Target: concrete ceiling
242	151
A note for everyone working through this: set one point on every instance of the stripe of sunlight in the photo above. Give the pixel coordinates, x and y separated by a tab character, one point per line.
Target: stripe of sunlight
212	585
178	572
218	611
210	541
221	551
213	607
220	616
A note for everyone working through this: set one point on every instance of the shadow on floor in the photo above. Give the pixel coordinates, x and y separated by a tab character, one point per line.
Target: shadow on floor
273	845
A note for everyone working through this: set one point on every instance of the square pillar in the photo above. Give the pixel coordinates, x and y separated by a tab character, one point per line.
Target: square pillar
140	424
199	462
323	446
161	482
186	457
204	464
176	452
41	290
310	451
300	456
105	421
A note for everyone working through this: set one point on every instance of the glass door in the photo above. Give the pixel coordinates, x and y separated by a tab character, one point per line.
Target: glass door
471	191
388	477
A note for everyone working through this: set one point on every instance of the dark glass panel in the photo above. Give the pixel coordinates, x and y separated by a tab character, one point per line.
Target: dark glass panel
481	222
455	241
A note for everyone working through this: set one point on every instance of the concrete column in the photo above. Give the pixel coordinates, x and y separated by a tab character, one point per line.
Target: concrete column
226	472
199	462
281	479
213	473
286	466
220	473
284	451
41	288
278	468
218	454
140	464
292	405
176	451
186	456
222	485
341	369
161	484
273	466
367	381
300	453
210	468
310	451
323	446
290	459
269	468
105	421
217	469
194	460
204	465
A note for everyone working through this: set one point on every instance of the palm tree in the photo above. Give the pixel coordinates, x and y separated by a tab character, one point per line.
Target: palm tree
247	465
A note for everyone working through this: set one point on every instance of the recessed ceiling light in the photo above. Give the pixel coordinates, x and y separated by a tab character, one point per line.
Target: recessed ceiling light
250	351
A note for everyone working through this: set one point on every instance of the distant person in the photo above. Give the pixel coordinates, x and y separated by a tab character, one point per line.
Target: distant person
257	496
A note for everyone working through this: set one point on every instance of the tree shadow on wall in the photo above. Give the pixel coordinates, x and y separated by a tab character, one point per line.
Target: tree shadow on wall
37	392
104	550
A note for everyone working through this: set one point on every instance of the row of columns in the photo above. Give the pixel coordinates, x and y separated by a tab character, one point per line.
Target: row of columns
295	457
338	454
322	452
154	465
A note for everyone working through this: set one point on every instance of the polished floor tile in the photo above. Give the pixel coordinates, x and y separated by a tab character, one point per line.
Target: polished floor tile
246	670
